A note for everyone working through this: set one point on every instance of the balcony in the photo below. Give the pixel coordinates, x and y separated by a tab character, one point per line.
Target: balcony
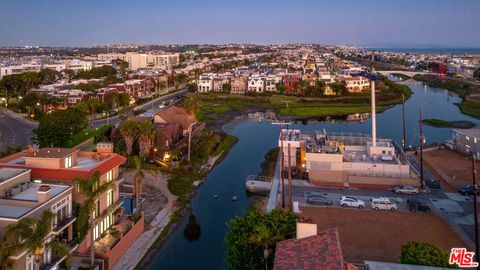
56	260
63	223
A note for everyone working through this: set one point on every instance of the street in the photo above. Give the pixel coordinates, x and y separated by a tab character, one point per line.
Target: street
14	131
147	106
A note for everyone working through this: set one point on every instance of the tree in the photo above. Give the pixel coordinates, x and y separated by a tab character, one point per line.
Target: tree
146	134
123	99
476	74
192	87
129	131
419	253
96	73
57	128
138	180
29	101
112	99
252	238
91	188
226	87
30	234
191	104
336	88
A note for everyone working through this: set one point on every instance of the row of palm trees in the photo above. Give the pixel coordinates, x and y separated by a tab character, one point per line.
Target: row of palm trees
143	132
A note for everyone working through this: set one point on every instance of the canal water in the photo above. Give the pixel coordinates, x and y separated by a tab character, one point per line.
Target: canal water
255	139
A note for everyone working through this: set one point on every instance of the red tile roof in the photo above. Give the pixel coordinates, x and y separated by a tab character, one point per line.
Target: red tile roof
318	252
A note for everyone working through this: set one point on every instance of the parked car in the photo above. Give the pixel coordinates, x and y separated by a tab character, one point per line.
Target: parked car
405	189
318	200
415	205
433	184
351	202
161	106
383	203
467	190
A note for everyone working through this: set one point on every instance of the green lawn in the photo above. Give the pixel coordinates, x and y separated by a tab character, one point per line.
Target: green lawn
323	110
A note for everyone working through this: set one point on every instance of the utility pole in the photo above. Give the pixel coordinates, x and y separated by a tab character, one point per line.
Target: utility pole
190	139
421	150
290	203
404	125
282	169
475	207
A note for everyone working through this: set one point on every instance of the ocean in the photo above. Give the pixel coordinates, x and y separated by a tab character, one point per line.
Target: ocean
429	50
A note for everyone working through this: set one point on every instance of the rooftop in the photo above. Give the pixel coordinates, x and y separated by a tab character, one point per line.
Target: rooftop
20	204
50	152
473	132
316	252
8	173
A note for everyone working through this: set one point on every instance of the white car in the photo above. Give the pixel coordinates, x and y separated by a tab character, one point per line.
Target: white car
347	201
383	203
161	106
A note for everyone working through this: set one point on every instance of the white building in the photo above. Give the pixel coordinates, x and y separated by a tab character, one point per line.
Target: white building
142	60
205	83
256	83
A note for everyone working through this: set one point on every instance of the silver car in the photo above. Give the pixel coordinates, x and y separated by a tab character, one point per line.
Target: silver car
405	190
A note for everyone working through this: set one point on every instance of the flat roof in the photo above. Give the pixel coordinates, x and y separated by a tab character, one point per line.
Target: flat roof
472	132
8	173
50	152
31	194
29	199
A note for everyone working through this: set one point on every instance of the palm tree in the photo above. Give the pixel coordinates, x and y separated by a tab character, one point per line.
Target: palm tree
263	235
138	180
146	134
129	131
92	189
191	105
30	234
7	249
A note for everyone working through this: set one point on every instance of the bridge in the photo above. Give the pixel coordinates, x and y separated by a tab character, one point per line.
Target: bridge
408	74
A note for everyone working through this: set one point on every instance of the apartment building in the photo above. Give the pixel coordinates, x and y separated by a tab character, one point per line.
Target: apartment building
23	198
142	60
356	84
52	166
271	83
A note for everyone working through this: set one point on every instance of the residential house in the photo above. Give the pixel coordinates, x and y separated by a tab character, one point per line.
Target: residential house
256	83
271	83
239	85
356	84
290	83
23	198
54	166
174	114
217	84
205	83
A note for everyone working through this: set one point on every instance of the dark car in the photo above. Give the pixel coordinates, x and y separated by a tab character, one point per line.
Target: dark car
414	206
466	190
318	200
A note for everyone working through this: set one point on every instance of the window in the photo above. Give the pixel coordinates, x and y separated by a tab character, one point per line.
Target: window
110	176
109	197
68	161
96	209
79	189
96	232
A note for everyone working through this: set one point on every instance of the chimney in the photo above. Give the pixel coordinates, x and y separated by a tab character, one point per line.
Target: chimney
374	118
306	228
44	193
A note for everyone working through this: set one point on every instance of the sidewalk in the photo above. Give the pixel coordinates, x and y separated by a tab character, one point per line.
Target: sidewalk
139	248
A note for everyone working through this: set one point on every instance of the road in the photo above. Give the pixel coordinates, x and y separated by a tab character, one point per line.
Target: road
147	106
14	130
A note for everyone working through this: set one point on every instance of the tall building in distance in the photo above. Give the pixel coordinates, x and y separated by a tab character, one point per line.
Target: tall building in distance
142	60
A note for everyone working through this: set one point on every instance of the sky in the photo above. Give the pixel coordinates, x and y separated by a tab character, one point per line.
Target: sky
368	23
